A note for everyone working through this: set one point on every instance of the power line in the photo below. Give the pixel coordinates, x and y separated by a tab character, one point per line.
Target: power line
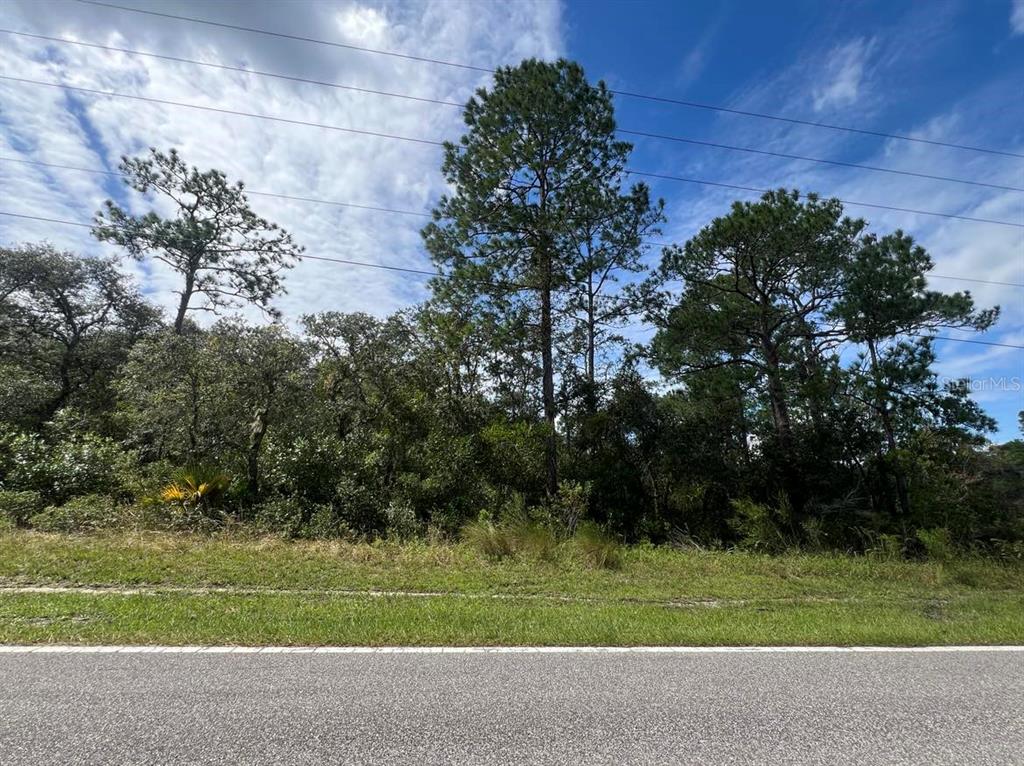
874	205
820	160
628	94
346	261
315	200
624	131
312	257
438	274
218	110
430	142
229	68
968	340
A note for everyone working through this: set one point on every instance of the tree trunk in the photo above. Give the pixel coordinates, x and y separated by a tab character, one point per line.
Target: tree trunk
257	431
777	399
551	456
885	417
783	431
186	297
55	404
591	331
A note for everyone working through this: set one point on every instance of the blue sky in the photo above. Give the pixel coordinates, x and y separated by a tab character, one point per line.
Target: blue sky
946	71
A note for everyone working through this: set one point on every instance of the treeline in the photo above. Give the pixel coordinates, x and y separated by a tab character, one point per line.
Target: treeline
788	396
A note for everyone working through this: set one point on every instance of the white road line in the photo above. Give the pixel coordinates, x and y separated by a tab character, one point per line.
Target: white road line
124	649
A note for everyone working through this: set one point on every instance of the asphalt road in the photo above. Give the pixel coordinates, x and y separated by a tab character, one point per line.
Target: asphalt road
582	708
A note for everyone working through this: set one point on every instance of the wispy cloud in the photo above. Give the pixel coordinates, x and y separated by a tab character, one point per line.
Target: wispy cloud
844	75
55	126
1017	17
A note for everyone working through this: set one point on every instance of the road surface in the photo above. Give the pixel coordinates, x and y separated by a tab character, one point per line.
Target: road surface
586	707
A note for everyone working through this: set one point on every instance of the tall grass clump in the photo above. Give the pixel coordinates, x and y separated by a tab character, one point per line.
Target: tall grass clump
516	534
492	540
597	547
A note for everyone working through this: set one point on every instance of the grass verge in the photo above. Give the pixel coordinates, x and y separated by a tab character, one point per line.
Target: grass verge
177	589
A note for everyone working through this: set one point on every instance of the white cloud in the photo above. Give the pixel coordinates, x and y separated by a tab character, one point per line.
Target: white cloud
1017	17
844	75
51	125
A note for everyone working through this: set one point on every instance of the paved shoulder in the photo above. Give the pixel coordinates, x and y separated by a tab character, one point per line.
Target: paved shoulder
530	708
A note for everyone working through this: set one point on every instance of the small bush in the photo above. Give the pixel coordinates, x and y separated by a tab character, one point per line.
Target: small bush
279	516
937	543
760	527
570	505
87	513
196	489
887	547
356	508
325	523
492	540
402	523
72	465
18	507
597	548
1008	550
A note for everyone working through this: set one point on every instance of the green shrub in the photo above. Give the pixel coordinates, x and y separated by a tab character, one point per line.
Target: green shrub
325	523
886	547
938	543
402	523
74	465
279	515
570	505
759	526
307	468
597	548
1008	550
17	507
355	508
87	513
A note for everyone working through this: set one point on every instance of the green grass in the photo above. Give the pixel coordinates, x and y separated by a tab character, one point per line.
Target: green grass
655	596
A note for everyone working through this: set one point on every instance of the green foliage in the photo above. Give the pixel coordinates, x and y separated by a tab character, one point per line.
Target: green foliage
491	539
570	506
886	547
937	543
597	548
18	506
87	513
401	521
221	249
196	489
761	527
510	391
75	464
534	539
66	323
516	533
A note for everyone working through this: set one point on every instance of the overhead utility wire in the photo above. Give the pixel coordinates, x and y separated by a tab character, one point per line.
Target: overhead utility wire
345	261
376	134
438	274
489	70
397	211
624	131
